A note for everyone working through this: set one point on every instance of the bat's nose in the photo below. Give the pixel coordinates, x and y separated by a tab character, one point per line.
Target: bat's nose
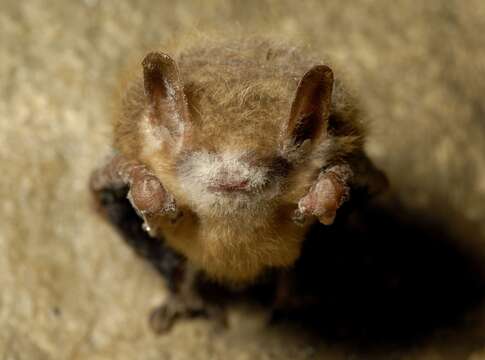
232	174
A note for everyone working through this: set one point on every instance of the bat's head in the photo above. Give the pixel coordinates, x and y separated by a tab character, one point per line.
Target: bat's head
236	147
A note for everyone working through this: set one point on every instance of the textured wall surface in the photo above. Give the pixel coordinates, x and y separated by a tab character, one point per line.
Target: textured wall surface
70	290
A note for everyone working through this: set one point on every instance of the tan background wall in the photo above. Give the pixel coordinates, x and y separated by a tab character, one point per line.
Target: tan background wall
70	290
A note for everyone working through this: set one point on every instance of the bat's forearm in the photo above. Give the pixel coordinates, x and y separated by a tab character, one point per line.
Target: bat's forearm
118	172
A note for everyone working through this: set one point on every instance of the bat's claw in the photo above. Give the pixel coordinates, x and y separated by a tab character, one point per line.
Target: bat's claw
163	317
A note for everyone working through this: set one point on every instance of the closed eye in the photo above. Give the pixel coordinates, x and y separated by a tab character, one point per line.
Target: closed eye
279	167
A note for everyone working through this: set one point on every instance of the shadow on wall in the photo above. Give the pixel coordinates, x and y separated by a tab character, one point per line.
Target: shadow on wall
385	276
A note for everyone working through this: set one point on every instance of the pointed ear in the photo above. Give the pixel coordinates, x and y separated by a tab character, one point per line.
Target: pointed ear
311	107
163	89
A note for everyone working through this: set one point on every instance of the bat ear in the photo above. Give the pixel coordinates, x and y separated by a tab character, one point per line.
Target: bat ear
163	89
311	106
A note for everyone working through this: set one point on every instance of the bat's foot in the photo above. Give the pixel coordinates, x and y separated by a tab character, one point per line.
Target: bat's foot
326	195
164	317
185	301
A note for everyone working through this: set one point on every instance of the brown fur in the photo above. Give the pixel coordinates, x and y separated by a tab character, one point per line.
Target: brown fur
239	96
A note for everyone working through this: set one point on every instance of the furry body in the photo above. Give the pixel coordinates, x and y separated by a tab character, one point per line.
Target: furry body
222	134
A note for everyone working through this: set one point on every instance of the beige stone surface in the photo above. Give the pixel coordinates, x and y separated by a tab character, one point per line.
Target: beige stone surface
69	289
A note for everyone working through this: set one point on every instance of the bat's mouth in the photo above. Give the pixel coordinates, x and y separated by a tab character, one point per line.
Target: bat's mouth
230	187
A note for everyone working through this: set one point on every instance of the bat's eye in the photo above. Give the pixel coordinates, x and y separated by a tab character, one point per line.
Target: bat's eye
279	167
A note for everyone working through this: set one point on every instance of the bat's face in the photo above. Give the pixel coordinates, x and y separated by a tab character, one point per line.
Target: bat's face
227	158
231	181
